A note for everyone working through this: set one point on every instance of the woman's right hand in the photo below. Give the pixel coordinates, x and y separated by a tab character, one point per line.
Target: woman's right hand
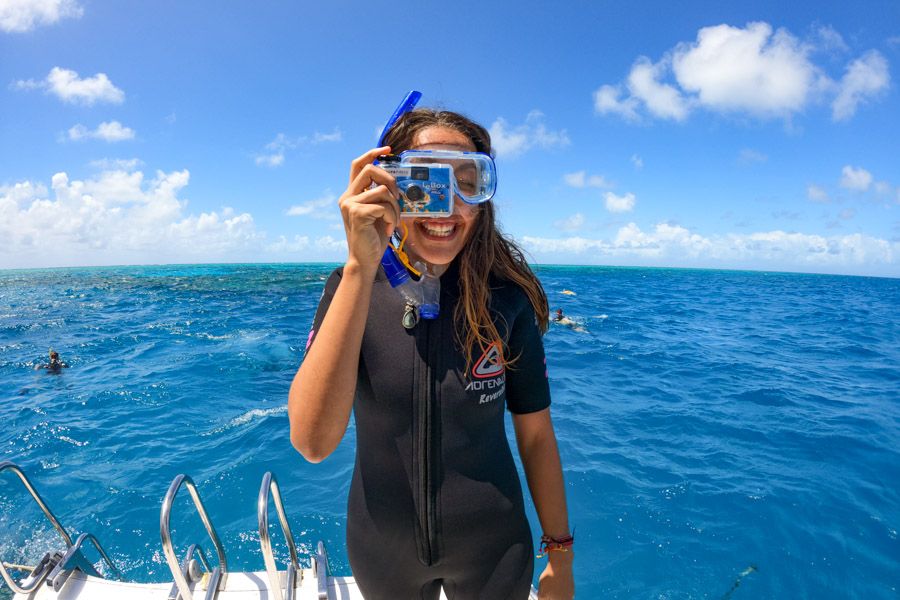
370	213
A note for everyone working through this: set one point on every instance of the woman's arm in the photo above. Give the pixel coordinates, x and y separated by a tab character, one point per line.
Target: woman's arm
543	470
321	394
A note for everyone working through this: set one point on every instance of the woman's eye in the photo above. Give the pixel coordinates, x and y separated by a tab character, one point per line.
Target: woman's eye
466	187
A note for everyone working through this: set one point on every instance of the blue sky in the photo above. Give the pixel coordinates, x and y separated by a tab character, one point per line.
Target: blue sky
728	135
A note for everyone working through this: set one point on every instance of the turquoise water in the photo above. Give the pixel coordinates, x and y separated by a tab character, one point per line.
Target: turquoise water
724	434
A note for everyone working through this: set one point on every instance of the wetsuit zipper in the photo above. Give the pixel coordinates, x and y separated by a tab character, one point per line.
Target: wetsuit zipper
426	453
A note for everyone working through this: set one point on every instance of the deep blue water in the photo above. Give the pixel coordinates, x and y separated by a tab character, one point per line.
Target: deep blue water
724	434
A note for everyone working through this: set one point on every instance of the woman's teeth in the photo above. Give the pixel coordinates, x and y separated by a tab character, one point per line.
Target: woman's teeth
439	230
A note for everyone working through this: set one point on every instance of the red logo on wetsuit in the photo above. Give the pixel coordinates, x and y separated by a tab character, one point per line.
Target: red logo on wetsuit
491	362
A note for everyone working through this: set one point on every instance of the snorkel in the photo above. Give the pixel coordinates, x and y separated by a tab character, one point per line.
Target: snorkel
422	295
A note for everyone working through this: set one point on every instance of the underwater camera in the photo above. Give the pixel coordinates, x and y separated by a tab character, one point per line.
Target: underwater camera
425	189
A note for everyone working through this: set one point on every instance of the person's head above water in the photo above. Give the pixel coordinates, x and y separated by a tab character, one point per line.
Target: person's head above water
470	234
54	356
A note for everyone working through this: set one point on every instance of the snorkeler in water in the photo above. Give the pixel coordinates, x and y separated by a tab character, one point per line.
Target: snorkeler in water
562	319
55	365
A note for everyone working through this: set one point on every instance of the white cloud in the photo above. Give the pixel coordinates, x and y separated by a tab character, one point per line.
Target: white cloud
661	99
572	223
334	136
320	208
116	164
749	69
668	244
855	178
327	245
270	160
118	217
278	147
581	179
865	77
827	38
509	141
754	70
18	16
66	85
619	204
637	161
111	131
816	193
748	156
608	100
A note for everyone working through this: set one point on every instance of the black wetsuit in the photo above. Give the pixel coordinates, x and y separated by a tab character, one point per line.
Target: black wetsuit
435	498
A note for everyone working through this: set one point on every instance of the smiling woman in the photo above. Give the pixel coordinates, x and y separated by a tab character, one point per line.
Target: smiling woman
435	501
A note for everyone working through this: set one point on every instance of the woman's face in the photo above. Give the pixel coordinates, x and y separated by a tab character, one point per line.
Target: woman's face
437	241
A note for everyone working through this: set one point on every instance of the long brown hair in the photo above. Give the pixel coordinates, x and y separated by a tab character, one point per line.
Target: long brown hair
488	252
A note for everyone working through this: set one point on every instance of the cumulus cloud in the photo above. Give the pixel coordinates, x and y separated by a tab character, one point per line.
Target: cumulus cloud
750	69
19	16
610	99
572	223
581	179
816	193
69	87
855	178
661	99
865	78
117	217
668	244
619	204
755	70
111	131
320	208
275	151
510	141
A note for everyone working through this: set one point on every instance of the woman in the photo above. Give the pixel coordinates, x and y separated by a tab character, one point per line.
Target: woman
435	499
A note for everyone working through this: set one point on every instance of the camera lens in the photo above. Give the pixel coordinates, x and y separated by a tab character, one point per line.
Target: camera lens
415	193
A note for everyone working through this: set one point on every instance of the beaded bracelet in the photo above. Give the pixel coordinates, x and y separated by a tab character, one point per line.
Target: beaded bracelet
550	544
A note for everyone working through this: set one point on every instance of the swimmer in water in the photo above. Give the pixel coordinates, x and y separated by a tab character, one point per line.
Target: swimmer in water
562	319
55	365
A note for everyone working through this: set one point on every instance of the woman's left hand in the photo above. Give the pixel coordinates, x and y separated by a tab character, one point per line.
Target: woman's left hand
557	582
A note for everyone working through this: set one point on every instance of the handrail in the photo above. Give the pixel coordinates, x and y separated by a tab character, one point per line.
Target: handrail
269	483
169	551
7	465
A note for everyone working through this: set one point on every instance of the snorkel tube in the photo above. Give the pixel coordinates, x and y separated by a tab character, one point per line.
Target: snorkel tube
422	296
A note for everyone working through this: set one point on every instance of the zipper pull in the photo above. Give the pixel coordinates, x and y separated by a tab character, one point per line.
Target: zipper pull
410	316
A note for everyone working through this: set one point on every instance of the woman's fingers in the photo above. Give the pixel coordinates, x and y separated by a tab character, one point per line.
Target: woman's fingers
377	195
366	159
371	175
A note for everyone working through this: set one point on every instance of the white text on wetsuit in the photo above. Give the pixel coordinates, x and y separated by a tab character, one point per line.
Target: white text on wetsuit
497	383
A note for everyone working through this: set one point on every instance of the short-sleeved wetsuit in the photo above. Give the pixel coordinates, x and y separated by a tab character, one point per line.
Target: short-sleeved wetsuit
435	498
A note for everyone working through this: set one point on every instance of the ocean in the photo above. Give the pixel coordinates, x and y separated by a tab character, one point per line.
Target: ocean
723	434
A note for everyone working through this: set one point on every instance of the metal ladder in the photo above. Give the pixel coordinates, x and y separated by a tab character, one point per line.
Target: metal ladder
54	567
189	569
293	570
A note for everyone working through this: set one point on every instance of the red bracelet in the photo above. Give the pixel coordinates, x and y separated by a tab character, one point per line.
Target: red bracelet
550	544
